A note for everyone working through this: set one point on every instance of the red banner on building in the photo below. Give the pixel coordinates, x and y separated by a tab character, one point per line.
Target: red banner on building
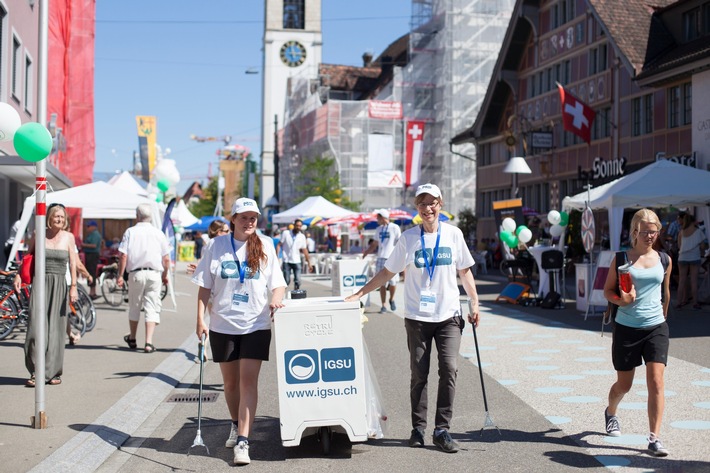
384	110
414	138
577	116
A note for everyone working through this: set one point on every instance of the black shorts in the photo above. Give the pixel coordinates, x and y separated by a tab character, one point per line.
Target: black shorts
254	346
630	345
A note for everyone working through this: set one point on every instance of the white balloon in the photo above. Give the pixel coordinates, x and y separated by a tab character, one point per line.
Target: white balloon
9	122
166	169
525	235
509	225
553	216
556	230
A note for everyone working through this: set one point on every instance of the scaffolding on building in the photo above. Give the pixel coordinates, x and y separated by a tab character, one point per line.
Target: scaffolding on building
453	47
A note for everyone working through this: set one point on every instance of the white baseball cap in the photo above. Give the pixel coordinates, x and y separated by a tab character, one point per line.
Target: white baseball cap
383	212
245	205
430	189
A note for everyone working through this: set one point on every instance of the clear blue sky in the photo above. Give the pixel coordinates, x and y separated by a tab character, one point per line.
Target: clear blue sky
185	61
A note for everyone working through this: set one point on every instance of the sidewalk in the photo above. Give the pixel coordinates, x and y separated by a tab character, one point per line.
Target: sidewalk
547	373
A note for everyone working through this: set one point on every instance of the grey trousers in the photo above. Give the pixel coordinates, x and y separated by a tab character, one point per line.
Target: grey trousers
447	336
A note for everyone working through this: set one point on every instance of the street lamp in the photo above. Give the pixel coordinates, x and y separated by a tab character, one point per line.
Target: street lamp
515	166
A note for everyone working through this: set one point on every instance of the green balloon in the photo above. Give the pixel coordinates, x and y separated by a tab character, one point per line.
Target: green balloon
509	239
564	219
163	185
519	229
32	142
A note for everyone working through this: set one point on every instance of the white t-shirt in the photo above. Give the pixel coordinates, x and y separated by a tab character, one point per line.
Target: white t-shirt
387	237
311	243
453	255
292	245
144	246
218	272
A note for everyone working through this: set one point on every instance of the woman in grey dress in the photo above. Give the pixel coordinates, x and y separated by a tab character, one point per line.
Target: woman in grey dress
59	245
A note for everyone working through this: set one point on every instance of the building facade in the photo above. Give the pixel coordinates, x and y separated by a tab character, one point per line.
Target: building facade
435	76
640	69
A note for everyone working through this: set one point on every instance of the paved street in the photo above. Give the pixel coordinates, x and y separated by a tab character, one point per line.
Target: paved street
546	372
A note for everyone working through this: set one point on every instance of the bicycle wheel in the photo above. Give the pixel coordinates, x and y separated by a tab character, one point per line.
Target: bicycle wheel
8	314
110	290
86	307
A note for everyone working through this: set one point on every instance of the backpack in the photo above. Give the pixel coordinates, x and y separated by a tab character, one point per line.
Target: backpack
611	309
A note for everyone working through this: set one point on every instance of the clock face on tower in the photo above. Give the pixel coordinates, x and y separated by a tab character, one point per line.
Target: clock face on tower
293	53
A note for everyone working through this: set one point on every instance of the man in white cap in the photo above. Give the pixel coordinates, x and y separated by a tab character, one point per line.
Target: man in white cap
387	235
434	254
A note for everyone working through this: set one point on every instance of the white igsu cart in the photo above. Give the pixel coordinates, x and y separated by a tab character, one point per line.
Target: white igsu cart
321	370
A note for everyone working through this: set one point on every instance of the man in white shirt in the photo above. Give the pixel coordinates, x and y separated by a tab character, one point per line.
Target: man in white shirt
293	243
386	237
145	255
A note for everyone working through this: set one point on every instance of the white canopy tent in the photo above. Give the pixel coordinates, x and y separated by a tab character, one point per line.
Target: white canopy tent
128	183
182	216
96	200
660	184
315	206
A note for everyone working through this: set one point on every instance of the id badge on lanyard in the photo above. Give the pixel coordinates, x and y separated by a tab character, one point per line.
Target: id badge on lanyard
240	301
427	297
240	298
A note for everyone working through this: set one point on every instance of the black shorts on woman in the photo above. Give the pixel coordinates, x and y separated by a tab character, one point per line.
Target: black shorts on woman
632	345
253	346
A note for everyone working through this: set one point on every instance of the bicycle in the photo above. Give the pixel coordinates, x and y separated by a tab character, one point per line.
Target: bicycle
14	307
112	293
107	280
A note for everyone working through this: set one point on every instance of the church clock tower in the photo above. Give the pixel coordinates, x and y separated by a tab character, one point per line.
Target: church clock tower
292	46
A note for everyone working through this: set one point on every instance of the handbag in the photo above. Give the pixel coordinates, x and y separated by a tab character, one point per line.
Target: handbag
27	270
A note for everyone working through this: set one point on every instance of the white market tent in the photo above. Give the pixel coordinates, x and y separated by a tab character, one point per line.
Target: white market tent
97	200
182	216
315	206
660	184
128	183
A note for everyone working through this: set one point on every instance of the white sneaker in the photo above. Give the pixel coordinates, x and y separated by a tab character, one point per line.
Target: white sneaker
232	440
241	454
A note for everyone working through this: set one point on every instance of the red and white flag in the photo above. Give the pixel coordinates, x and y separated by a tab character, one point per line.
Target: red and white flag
414	138
577	116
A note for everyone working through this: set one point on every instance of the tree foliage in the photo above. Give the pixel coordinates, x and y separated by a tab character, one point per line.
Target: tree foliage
205	206
467	223
319	176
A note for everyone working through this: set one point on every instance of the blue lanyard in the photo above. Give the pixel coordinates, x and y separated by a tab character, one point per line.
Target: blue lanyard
430	268
241	268
384	232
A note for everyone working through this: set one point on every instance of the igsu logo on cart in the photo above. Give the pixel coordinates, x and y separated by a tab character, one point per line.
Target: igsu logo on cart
308	366
301	366
352	280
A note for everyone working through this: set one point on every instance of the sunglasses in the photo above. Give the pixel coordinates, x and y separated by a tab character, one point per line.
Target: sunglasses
51	206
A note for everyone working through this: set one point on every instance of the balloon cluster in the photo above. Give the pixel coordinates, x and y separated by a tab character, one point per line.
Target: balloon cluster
512	234
164	179
32	141
558	222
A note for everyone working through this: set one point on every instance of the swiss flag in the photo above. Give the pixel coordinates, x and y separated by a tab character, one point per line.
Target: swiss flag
577	116
414	136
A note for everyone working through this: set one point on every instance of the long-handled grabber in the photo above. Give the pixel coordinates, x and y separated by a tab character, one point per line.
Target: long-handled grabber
198	438
488	422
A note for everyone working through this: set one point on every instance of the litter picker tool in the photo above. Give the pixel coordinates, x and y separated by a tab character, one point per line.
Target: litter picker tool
198	438
488	422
